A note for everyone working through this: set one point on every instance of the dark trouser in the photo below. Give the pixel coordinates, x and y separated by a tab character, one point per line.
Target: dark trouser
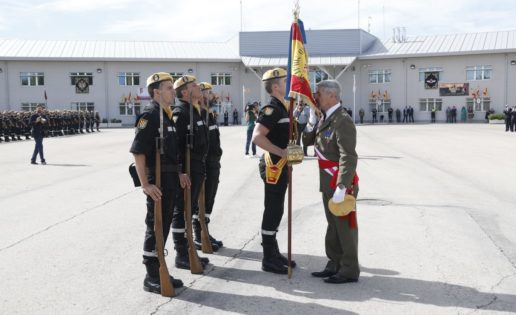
404	118
374	119
38	148
361	119
178	219
341	243
507	124
274	204
300	129
390	117
513	125
248	142
98	124
211	185
169	189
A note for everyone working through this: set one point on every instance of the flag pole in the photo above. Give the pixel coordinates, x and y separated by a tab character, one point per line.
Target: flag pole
290	131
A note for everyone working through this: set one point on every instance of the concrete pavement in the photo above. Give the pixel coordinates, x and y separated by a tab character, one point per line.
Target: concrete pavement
436	211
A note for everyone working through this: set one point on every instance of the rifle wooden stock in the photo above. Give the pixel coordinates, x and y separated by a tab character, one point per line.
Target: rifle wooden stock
205	234
195	262
164	277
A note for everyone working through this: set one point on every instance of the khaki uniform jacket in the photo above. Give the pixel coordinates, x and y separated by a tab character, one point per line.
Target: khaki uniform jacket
336	141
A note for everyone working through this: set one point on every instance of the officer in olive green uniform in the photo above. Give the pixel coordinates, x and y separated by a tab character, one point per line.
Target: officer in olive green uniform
271	134
335	142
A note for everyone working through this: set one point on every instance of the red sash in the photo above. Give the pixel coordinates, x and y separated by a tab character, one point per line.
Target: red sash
332	167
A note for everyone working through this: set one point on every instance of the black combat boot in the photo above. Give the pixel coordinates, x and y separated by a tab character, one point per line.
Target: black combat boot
212	239
151	283
183	261
283	259
198	239
271	262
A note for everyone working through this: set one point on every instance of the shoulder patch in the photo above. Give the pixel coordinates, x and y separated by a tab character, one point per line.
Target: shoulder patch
268	111
142	123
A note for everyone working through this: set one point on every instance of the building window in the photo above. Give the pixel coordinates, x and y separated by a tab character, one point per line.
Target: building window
86	106
315	77
30	107
176	75
76	76
426	104
128	78
379	76
422	71
220	78
381	105
482	104
478	73
32	78
130	109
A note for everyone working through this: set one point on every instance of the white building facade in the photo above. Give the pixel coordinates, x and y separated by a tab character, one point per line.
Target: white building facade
474	70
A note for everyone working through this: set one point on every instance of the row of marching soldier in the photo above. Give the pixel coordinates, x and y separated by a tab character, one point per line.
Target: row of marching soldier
177	155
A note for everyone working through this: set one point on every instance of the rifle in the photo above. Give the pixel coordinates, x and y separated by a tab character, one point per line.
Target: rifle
195	263
205	234
164	278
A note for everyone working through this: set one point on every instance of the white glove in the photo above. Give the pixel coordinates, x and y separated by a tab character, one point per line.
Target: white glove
312	119
338	195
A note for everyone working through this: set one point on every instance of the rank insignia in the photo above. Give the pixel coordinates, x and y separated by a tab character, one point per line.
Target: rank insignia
268	111
327	134
142	123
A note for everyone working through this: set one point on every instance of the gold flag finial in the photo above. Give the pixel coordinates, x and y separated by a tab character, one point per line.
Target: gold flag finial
296	10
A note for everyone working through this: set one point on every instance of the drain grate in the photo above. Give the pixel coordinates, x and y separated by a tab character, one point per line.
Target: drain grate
374	202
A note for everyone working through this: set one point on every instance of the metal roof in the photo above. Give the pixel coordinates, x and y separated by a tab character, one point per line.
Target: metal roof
11	49
282	61
451	44
417	46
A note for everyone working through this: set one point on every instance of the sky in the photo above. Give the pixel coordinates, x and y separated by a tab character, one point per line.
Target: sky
221	20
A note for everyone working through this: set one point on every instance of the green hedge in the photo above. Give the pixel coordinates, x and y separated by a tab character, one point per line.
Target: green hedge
499	116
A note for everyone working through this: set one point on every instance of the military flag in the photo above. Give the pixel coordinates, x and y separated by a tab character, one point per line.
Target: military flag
298	82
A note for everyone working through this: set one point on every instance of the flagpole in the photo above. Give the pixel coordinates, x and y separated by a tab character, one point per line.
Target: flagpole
290	131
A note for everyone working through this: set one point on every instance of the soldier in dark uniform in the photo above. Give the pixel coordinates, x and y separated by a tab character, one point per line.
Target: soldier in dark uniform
271	134
226	117
2	127
211	182
398	115
389	113
81	121
161	90
97	120
38	122
507	112
189	94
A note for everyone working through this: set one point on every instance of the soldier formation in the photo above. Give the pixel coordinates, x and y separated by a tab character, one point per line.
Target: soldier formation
16	124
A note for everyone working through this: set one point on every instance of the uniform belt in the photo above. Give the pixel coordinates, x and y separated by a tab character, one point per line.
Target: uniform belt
197	156
167	168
